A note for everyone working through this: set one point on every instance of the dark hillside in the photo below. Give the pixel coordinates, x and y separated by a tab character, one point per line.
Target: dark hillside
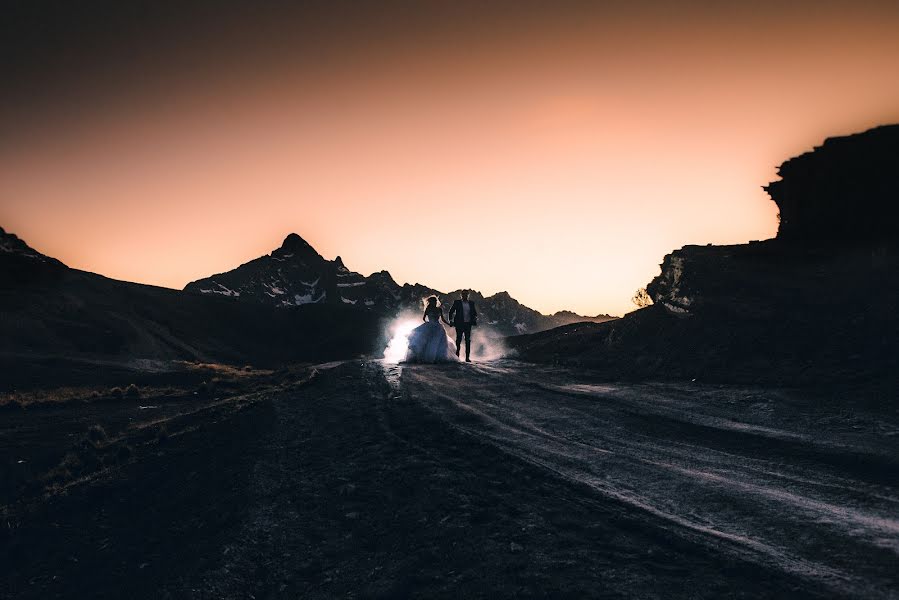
49	313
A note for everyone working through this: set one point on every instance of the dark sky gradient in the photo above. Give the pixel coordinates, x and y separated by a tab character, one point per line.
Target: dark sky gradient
59	56
163	141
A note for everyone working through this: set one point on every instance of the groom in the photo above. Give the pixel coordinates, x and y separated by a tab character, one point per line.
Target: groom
463	315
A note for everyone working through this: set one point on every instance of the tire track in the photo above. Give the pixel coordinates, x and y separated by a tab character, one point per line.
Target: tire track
640	446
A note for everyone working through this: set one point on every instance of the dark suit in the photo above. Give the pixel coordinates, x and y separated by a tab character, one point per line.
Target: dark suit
463	328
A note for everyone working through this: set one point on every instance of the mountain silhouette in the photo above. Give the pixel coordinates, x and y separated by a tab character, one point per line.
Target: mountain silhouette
295	274
66	325
292	305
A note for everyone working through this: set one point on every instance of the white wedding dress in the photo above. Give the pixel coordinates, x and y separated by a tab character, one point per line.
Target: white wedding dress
428	343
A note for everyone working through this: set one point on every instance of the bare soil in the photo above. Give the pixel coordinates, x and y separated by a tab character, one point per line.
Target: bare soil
365	480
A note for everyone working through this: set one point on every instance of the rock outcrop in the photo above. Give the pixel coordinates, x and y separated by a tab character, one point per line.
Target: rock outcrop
846	190
819	303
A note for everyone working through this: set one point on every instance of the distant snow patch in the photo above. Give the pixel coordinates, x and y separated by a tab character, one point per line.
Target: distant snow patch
222	290
273	290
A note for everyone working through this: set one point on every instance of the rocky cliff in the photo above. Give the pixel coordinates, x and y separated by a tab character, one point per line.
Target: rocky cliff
846	190
819	303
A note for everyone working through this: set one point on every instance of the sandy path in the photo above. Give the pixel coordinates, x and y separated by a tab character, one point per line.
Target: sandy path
488	480
733	468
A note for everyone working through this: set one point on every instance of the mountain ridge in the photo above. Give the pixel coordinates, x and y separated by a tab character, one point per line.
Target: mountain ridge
57	324
295	274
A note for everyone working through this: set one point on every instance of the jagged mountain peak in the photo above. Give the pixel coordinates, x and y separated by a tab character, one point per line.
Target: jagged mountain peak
296	274
383	276
295	249
293	243
503	296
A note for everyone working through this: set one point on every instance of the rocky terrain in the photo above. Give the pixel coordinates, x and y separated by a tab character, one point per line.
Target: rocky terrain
814	305
295	274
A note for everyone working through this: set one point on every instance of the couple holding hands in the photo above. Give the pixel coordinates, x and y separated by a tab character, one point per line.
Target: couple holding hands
428	343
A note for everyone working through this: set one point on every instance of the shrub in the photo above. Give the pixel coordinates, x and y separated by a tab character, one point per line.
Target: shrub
117	393
132	391
641	298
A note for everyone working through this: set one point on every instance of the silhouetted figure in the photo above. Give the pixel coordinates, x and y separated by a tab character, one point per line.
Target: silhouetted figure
428	343
464	316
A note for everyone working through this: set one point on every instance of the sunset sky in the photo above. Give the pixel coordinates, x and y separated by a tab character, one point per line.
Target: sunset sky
554	150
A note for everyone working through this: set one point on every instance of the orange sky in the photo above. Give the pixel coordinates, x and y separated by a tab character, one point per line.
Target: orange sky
558	158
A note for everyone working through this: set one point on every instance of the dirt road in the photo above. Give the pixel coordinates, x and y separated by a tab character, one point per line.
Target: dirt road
499	479
777	479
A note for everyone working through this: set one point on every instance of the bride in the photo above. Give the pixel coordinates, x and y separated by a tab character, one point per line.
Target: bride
428	343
